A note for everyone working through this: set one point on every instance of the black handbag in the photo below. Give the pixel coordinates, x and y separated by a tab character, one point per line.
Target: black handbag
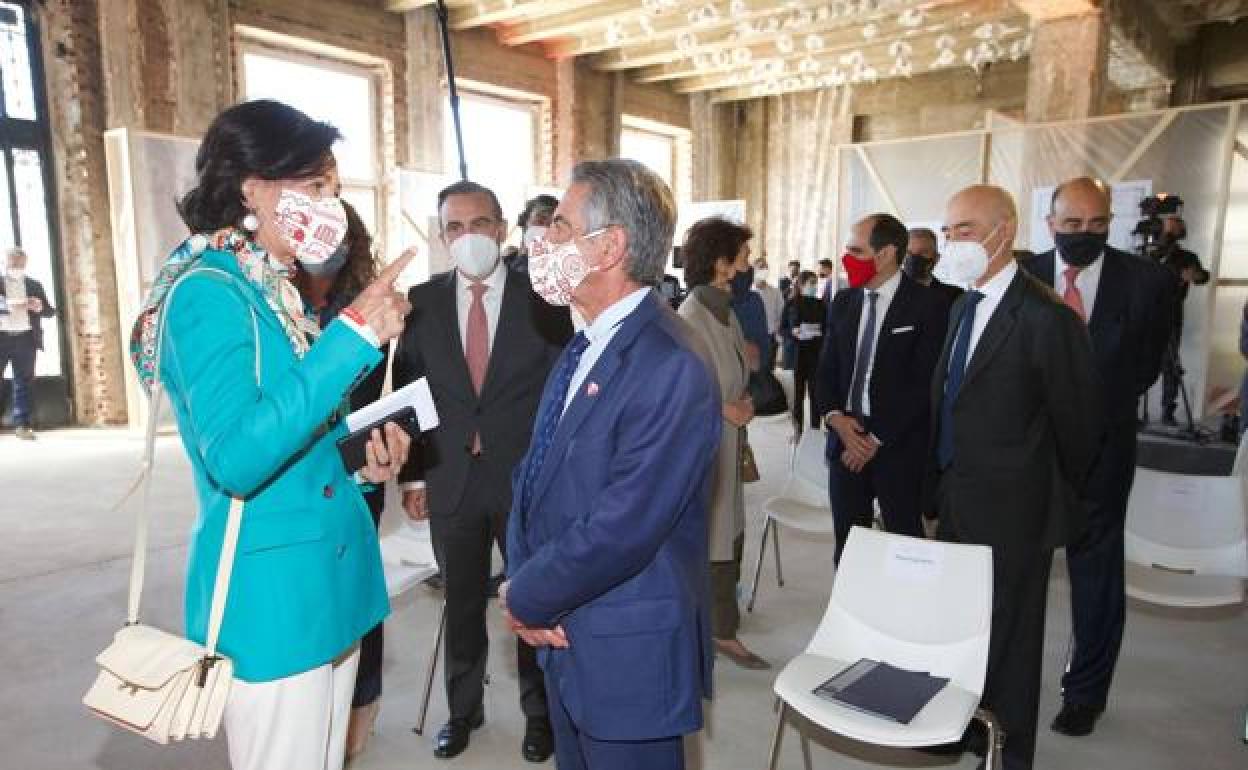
767	394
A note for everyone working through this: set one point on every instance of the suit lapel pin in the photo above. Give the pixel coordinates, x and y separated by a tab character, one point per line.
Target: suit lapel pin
592	390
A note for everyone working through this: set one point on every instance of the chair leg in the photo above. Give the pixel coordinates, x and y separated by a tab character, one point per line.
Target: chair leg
775	738
758	565
805	750
775	542
419	729
996	739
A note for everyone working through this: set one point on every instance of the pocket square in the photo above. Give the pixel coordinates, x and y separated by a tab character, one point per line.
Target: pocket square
902	329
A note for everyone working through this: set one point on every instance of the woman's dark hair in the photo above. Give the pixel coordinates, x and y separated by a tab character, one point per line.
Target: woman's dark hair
803	278
262	138
361	267
540	202
709	240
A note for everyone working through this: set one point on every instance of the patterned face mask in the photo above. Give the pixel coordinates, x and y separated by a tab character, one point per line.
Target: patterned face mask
313	229
557	269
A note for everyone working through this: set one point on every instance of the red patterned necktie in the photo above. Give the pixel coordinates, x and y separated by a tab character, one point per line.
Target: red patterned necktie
1072	296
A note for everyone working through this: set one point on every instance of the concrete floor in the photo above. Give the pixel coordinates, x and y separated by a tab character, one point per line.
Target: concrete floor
1178	701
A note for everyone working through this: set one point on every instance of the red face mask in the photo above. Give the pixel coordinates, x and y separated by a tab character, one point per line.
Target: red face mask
858	271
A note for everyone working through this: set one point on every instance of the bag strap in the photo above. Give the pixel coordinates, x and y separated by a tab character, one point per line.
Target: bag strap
233	524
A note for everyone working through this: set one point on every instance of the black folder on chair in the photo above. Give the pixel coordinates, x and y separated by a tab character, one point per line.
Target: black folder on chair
882	690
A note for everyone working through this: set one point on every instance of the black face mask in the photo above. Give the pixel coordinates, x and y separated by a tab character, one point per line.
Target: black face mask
918	267
1080	249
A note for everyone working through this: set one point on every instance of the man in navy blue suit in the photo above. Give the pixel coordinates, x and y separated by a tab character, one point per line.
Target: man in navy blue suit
607	539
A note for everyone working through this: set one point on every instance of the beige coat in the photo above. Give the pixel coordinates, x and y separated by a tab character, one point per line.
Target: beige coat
726	344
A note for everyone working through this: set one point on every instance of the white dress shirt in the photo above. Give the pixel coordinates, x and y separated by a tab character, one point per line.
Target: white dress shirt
495	283
18	318
993	292
886	292
600	333
1087	281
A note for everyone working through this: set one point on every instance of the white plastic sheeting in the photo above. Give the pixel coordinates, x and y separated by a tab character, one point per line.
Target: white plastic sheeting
1199	153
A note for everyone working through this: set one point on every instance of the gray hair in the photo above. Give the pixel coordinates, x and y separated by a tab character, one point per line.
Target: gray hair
626	193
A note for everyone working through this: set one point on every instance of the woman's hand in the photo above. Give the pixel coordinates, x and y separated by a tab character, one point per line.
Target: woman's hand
381	307
739	412
385	453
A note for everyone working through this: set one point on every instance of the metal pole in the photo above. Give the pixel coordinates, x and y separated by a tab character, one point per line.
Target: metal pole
449	61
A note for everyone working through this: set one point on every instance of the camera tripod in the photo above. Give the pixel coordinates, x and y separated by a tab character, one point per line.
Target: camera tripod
1172	368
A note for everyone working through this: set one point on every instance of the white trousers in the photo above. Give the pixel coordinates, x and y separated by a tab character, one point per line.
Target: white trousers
295	723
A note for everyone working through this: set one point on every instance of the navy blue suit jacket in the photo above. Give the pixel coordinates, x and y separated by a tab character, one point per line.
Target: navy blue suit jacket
614	544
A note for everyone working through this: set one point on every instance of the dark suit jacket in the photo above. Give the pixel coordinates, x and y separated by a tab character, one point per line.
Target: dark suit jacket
949	292
613	546
529	338
905	355
1130	325
35	289
1025	424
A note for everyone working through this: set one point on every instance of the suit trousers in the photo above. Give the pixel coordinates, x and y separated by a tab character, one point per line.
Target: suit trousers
463	543
894	477
804	385
1098	599
576	750
1016	650
299	721
372	646
20	350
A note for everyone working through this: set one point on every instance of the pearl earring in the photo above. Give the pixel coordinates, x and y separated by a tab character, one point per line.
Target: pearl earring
250	222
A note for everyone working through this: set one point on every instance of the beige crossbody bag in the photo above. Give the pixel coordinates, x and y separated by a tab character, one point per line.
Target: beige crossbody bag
164	686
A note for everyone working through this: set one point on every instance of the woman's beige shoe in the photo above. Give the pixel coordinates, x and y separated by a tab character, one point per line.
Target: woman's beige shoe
360	728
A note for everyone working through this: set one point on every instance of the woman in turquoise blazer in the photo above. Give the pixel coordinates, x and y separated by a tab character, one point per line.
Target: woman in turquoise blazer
257	389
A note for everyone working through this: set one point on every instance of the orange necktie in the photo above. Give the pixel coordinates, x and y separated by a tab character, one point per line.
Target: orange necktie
477	345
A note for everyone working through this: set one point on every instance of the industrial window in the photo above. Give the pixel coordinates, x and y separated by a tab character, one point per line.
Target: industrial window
664	149
342	93
25	188
501	145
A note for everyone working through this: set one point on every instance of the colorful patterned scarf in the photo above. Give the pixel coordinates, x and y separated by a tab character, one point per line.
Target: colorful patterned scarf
268	275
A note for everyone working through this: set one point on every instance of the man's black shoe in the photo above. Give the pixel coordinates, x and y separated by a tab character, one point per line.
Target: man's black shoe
454	736
539	740
1076	719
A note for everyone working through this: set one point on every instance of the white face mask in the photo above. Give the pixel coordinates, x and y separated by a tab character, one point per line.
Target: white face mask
532	234
557	269
475	255
760	276
962	263
313	229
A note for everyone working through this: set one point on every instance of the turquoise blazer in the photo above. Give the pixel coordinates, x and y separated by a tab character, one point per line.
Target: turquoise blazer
307	580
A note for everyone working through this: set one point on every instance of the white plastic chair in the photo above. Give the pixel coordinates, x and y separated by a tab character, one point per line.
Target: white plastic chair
801	505
916	604
1186	537
407	560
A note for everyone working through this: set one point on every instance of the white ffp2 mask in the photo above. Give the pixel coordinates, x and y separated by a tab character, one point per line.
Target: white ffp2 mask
475	255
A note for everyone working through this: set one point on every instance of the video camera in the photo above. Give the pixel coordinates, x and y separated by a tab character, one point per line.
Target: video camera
1150	231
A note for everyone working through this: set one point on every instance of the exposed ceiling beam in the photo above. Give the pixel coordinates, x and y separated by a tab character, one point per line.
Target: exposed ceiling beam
399	6
866	64
484	12
647	51
604	14
1058	9
708	18
954	21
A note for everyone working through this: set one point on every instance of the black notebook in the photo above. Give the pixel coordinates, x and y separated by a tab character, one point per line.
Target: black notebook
882	690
